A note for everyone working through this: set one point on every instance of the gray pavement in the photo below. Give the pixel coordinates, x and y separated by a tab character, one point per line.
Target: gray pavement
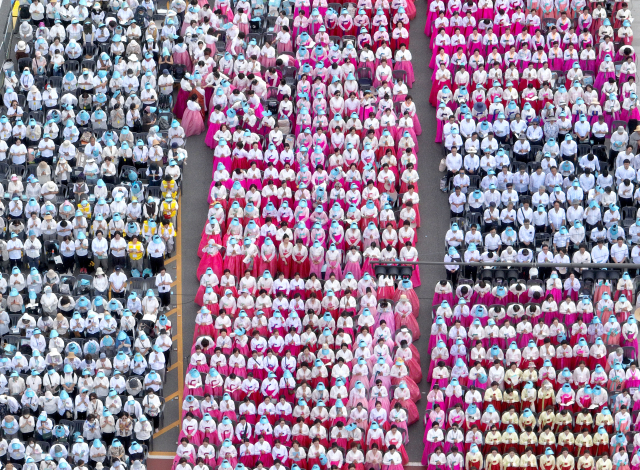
434	208
193	208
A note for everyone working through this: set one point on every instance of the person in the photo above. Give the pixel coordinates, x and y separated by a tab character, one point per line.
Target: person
32	250
192	121
136	252
155	251
100	249
163	283
118	282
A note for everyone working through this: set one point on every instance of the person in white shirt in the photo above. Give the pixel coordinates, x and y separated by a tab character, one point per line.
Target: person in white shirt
454	236
600	253
635	255
100	249
526	233
557	216
118	283
545	256
118	248
634	232
32	250
454	162
619	251
492	241
457	201
599	131
163	283
581	256
537	179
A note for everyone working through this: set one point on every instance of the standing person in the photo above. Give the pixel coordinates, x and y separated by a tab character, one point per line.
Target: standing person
33	248
192	121
100	249
163	283
136	252
118	283
68	251
14	247
118	248
155	250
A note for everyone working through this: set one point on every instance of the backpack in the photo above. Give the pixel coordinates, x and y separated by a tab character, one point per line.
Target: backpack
164	102
163	124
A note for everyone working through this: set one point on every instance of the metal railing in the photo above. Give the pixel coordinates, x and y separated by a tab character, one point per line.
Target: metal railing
500	264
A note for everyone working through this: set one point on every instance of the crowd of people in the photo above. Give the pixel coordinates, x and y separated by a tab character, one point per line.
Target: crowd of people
537	113
303	354
91	163
538	374
523	132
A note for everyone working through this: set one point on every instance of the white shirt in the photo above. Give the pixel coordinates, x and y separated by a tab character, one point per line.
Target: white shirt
600	255
619	253
118	280
160	279
98	245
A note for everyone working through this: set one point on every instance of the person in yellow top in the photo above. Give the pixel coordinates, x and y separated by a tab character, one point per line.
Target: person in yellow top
546	395
169	187
547	417
605	420
169	209
527	419
511	461
530	374
493	437
167	233
513	376
584	443
494	460
85	208
586	462
474	458
509	438
528	461
510	417
601	440
583	420
136	252
528	439
565	461
511	397
547	438
566	440
493	396
547	460
149	229
562	419
604	463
